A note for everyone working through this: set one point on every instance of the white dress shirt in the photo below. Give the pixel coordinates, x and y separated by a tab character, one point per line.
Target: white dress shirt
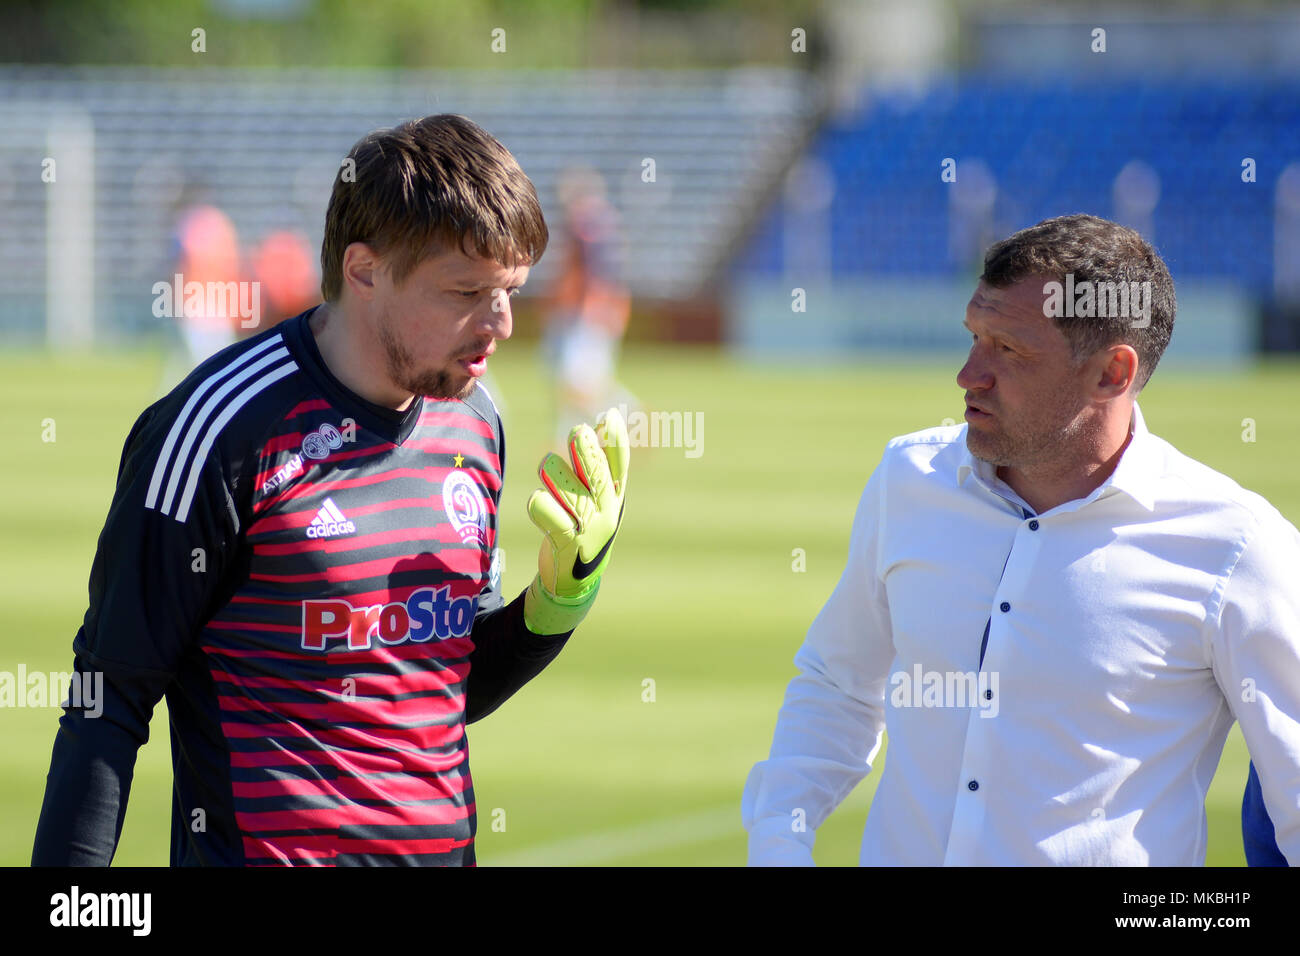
1126	631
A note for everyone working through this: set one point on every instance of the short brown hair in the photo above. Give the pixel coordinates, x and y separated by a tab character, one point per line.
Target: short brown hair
427	185
1094	250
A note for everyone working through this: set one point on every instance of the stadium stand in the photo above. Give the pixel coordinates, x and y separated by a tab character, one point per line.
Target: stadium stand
1054	147
265	145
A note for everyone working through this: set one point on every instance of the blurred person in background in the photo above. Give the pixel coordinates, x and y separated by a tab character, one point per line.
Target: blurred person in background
1258	838
588	304
207	253
284	266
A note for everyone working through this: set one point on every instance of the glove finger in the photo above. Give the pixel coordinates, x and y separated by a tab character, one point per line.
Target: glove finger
591	466
611	430
549	515
559	479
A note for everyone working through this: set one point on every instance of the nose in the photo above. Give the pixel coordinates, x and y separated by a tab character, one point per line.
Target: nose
500	320
974	375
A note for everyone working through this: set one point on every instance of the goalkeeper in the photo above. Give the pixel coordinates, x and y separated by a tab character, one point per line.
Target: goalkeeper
301	553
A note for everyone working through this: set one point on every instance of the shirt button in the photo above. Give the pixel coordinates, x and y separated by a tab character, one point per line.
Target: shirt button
988	695
1033	526
973	785
1005	607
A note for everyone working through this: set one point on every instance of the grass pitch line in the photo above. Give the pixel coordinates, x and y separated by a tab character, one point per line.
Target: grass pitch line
615	844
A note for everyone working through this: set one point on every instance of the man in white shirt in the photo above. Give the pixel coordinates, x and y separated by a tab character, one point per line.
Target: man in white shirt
1055	614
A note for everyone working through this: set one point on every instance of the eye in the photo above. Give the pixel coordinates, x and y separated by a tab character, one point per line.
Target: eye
468	295
1007	348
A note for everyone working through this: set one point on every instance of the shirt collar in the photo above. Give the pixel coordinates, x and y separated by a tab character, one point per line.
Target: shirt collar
1138	467
1135	474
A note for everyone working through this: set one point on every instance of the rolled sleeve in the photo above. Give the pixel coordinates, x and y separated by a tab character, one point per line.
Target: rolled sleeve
830	725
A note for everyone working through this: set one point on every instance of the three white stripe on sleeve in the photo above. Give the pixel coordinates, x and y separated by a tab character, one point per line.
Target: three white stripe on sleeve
186	461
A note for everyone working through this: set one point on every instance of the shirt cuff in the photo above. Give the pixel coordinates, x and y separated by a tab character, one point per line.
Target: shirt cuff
773	841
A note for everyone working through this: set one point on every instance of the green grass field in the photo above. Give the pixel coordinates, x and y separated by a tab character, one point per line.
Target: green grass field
701	597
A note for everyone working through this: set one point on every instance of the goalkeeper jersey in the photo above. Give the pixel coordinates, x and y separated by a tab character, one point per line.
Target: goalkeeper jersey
309	580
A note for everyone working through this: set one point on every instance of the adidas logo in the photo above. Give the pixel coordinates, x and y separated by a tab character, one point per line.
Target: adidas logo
330	522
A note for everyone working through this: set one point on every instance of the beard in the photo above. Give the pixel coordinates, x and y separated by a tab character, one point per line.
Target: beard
431	383
1047	434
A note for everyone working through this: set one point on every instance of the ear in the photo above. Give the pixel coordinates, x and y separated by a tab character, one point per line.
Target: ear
1116	371
360	265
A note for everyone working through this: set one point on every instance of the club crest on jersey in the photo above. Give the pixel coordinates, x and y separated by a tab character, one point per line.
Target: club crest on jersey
465	507
322	441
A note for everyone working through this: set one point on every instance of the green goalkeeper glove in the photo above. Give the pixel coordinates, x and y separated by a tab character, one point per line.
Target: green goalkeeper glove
579	509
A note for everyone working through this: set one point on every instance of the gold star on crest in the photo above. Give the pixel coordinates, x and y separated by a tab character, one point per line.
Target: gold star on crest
460	460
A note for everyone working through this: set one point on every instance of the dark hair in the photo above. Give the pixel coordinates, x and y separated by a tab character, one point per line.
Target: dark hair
426	185
1097	251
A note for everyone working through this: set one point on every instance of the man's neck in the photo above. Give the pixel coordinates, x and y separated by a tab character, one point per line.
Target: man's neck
1044	486
345	358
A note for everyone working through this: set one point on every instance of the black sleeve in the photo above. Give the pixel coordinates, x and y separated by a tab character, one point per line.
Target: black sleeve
156	571
506	656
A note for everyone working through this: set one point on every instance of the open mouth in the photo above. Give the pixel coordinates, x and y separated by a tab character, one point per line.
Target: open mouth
476	365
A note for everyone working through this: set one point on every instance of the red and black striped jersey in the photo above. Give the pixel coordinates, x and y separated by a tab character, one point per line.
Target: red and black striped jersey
309	579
